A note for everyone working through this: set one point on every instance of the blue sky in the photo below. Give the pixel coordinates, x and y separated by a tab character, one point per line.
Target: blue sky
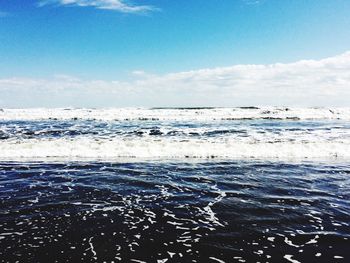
53	42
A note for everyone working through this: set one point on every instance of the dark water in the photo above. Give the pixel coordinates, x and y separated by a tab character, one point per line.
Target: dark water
237	211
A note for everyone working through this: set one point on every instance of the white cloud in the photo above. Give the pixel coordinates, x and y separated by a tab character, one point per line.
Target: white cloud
116	5
324	82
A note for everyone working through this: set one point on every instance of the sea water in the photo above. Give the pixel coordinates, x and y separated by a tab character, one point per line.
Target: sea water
252	184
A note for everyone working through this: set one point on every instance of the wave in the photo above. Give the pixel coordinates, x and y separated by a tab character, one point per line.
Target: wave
175	133
177	114
93	148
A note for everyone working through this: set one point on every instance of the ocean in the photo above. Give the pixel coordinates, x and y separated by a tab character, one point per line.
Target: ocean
248	184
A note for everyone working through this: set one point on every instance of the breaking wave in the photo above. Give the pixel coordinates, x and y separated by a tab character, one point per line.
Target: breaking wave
179	114
227	133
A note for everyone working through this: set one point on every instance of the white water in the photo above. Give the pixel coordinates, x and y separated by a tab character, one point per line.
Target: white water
287	133
166	148
109	114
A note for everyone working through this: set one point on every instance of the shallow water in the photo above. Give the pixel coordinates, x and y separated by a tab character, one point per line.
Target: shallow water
243	211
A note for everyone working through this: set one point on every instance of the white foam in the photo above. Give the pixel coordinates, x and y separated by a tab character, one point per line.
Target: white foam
245	141
119	114
146	147
217	260
290	259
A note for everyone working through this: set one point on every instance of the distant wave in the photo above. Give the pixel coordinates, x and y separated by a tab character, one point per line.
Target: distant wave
179	114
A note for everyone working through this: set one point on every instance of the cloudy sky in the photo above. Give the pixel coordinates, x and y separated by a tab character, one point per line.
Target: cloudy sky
119	53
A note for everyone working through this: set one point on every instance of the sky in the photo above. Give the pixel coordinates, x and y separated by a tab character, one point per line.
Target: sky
188	53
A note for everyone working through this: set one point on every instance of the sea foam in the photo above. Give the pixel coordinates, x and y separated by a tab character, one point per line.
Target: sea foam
178	114
250	132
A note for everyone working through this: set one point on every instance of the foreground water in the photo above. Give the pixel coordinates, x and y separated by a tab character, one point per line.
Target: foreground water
180	185
181	212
